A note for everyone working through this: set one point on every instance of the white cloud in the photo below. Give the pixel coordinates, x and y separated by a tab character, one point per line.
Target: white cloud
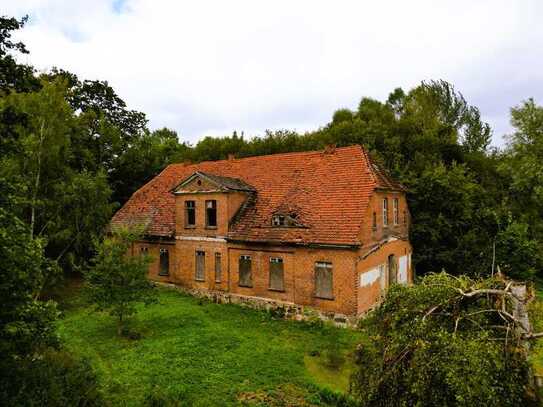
210	67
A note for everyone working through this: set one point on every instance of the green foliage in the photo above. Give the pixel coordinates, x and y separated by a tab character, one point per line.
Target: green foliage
446	231
26	324
54	196
32	371
434	346
55	379
117	281
14	77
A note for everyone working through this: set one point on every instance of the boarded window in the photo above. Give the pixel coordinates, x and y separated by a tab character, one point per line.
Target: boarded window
385	212
218	267
395	209
164	269
323	280
245	272
392	270
276	274
211	214
200	265
190	213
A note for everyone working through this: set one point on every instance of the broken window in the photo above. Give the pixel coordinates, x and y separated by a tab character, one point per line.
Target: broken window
218	269
211	214
200	265
278	220
276	274
190	213
245	272
395	211
385	212
323	280
164	267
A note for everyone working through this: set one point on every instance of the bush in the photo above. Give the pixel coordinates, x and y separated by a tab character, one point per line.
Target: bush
55	379
434	345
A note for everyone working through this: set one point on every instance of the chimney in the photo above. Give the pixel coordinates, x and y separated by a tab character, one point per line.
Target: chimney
231	157
330	149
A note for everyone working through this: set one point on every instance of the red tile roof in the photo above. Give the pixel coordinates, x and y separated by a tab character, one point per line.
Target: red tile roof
329	191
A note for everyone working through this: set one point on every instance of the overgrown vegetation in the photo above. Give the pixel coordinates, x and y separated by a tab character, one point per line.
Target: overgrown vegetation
34	370
447	341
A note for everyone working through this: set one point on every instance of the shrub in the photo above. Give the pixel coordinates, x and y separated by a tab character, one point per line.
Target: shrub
443	342
55	379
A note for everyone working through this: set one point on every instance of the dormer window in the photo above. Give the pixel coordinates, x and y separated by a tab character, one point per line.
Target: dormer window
278	220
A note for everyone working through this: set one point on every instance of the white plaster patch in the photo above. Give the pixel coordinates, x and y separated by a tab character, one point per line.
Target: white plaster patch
369	277
402	272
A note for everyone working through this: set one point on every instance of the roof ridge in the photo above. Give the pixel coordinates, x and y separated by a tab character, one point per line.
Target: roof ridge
353	146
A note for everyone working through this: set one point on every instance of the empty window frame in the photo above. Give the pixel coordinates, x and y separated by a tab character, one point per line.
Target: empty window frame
324	280
245	271
164	266
385	212
200	266
190	214
211	214
276	274
218	268
395	204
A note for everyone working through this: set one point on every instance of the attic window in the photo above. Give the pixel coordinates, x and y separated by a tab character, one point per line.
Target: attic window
278	220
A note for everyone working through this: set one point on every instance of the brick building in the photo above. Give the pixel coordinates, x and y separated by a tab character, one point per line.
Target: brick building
325	229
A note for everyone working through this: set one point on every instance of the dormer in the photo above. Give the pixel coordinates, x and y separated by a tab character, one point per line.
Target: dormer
286	220
206	203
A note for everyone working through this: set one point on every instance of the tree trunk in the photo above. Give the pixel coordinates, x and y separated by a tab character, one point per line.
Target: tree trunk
36	184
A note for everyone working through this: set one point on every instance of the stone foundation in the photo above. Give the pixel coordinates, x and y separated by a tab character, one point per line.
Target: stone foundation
283	309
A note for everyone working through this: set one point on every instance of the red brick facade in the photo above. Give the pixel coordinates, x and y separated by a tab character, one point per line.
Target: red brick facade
360	260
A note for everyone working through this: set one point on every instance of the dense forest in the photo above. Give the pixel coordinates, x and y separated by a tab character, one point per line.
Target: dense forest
72	152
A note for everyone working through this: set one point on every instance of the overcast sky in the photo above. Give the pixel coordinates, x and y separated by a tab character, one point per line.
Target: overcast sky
210	67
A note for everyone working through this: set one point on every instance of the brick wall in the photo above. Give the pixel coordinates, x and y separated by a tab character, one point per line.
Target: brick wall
369	295
298	267
369	234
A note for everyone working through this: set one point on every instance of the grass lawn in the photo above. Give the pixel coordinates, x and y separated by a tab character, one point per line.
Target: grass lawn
536	317
209	354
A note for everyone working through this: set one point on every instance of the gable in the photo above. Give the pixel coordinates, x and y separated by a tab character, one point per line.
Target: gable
196	183
329	192
204	182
